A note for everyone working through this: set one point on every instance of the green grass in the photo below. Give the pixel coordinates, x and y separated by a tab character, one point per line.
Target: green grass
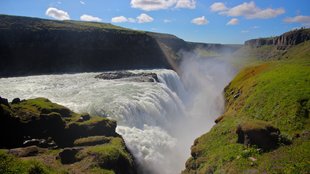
36	24
34	107
92	140
275	91
12	165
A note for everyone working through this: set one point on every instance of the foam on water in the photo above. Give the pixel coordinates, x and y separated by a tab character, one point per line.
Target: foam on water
144	111
159	121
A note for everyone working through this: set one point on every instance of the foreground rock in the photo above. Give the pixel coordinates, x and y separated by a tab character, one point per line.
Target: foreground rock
46	133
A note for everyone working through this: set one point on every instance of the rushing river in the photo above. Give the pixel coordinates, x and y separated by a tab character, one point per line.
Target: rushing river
159	121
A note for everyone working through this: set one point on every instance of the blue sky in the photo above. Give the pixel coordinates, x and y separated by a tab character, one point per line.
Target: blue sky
210	21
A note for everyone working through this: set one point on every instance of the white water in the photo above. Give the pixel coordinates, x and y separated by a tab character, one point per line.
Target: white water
159	121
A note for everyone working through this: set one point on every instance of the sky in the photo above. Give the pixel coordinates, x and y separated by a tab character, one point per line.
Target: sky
208	21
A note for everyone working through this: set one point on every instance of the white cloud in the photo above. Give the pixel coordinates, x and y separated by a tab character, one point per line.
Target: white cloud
57	14
200	21
149	5
298	19
248	10
82	2
191	4
218	6
144	18
86	17
119	19
167	20
233	21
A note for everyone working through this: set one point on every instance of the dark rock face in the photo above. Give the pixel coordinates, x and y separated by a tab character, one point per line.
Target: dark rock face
282	42
67	156
4	101
129	76
36	46
15	100
260	134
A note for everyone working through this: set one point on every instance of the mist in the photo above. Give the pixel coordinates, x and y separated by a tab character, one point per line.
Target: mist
204	79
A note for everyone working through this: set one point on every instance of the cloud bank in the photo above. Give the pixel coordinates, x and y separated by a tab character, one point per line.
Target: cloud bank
150	5
298	19
90	18
247	10
57	14
142	18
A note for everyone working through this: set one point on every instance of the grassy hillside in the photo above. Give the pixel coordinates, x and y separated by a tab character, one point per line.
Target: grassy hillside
263	99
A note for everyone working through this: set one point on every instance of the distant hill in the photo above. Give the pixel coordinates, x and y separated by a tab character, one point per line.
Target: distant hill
39	46
283	41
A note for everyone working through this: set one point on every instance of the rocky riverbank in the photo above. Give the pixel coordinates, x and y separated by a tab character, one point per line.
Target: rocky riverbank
38	135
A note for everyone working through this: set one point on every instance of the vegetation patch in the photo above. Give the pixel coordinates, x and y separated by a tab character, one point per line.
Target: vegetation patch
271	93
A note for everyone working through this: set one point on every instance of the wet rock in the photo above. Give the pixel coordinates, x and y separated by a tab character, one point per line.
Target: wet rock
258	133
67	156
129	76
4	101
49	143
84	118
15	101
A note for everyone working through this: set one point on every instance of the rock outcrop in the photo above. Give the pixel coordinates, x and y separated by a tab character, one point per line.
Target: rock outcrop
283	41
128	76
37	128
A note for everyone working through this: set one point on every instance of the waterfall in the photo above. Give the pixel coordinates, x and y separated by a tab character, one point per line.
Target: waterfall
158	121
145	111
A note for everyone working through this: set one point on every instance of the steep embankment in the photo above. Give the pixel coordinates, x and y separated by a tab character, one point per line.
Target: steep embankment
36	46
39	136
265	128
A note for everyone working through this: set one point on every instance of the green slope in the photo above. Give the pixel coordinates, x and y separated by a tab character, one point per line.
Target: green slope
274	92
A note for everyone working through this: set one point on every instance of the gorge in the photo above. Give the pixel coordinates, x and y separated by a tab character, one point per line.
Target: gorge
166	94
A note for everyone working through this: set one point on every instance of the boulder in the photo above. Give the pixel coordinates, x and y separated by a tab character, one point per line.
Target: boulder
15	101
4	101
258	133
67	156
25	151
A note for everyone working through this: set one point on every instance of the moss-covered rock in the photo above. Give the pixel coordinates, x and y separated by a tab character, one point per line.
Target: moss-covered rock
39	122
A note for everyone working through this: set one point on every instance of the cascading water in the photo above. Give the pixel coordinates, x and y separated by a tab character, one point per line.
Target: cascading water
158	121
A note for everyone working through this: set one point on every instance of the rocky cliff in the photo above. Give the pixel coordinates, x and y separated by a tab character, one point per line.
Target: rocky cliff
283	41
37	46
